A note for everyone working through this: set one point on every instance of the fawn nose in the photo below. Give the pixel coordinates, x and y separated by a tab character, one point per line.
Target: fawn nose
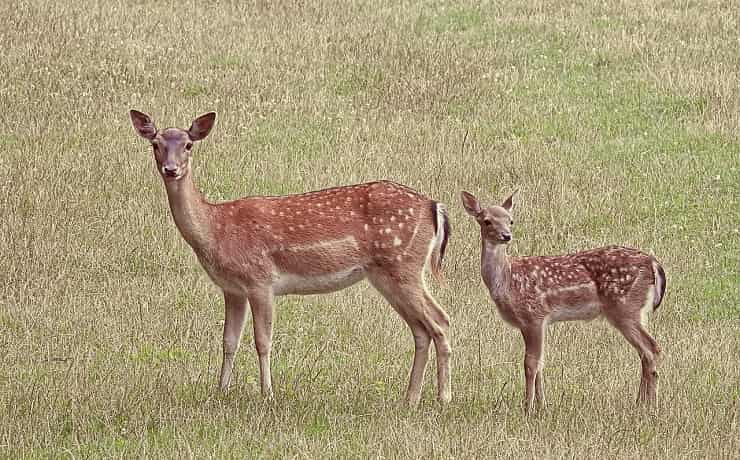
169	170
506	236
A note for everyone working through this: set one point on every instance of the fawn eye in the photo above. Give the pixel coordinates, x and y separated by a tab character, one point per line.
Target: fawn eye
511	222
188	146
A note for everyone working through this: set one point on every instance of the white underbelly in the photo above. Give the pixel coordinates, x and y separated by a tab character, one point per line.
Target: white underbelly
291	283
578	312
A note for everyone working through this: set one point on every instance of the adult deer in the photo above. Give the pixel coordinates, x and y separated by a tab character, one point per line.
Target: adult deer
619	283
256	248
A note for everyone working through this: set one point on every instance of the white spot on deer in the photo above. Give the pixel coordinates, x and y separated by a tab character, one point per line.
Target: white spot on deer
399	257
282	213
272	212
411	210
319	205
380	220
351	213
397	241
290	229
387	230
393	218
400	212
366	227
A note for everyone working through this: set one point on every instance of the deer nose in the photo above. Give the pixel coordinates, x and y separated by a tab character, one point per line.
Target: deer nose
169	170
506	236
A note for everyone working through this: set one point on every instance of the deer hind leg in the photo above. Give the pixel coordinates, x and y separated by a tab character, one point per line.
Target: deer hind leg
649	367
262	311
534	338
421	358
408	299
648	349
439	326
539	385
235	313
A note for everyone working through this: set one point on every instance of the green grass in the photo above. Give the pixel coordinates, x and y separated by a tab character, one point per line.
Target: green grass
618	122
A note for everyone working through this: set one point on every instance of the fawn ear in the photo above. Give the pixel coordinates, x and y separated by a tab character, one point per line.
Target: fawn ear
509	202
470	203
143	124
202	126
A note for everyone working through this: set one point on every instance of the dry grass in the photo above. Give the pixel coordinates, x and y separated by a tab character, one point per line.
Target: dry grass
619	123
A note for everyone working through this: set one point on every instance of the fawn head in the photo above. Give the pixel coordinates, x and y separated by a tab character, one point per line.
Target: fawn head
172	146
495	222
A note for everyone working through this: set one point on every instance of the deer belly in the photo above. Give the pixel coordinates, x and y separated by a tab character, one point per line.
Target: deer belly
575	312
293	283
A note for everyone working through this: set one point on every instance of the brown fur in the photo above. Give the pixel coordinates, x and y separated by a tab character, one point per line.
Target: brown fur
531	292
256	248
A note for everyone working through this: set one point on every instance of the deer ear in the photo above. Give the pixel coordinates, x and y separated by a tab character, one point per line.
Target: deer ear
202	126
509	202
470	203
143	124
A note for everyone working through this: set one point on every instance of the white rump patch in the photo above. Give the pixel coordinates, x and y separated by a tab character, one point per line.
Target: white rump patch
647	307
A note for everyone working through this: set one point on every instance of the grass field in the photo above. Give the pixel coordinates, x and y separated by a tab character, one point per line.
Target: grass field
618	121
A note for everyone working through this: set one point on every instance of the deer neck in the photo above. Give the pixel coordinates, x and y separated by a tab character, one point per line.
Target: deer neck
496	270
190	211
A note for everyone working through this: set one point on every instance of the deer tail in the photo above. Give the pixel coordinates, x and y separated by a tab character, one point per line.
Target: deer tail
660	283
441	238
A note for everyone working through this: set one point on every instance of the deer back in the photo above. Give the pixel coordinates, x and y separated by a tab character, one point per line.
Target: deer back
341	230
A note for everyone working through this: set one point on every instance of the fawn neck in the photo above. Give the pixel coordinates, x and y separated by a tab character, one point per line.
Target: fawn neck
496	270
189	209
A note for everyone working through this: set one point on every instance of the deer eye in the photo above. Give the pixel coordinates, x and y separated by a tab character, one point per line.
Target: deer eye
188	146
511	222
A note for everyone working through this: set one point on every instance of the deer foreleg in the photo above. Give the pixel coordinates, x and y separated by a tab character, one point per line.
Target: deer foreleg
262	311
233	326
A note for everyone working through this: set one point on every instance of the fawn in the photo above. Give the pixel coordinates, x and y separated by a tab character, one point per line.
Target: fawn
619	283
259	247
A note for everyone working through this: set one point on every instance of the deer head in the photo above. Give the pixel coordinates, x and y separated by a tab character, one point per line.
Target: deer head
172	146
495	222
